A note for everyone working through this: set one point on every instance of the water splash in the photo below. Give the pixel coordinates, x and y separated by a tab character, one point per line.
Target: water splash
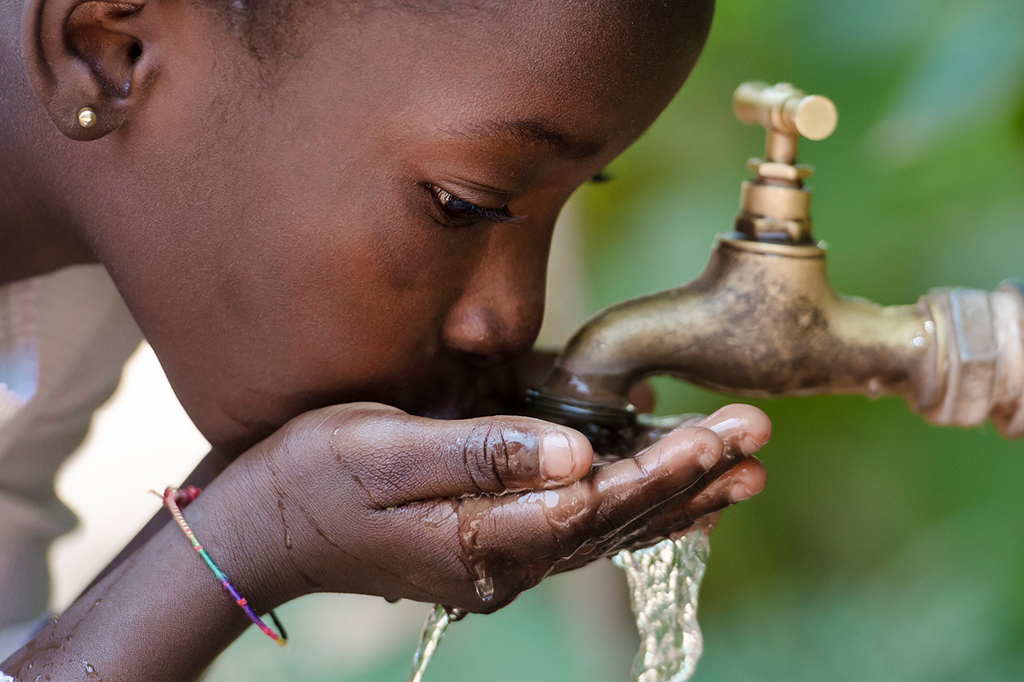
433	630
664	581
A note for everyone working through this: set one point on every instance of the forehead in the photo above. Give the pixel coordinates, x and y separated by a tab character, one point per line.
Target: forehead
569	75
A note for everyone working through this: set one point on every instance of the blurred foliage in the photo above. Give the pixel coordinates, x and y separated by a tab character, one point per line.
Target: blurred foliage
883	547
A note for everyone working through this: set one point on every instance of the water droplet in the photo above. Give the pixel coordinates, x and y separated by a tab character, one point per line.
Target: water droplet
484	588
455	613
333	443
54	619
392	600
929	327
287	539
90	670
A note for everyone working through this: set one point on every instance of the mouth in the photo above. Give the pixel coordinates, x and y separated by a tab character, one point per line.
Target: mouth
451	398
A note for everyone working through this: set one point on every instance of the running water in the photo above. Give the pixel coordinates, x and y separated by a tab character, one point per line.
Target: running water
663	584
433	630
664	581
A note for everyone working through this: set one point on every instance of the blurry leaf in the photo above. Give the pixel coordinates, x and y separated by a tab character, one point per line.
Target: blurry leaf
969	74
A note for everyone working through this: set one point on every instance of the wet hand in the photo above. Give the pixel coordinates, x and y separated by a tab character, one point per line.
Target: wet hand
678	484
367	499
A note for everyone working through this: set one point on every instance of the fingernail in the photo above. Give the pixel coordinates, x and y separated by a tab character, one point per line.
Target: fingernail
749	446
726	428
555	456
739	492
707	458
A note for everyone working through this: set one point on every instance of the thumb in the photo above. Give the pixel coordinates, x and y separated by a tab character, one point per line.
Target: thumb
418	458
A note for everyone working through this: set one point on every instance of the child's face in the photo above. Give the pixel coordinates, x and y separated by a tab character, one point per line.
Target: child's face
287	246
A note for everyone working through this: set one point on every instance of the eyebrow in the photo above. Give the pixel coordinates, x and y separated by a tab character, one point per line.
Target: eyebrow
537	132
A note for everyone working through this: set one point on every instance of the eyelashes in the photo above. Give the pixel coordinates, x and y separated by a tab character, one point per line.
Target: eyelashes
458	212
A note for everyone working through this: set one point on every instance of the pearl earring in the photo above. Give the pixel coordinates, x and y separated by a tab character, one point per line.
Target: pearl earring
86	117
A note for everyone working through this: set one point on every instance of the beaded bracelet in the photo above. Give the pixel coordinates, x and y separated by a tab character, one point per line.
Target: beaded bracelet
172	497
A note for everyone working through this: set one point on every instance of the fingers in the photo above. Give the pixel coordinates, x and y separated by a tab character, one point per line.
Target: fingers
743	428
402	458
661	490
746	479
510	531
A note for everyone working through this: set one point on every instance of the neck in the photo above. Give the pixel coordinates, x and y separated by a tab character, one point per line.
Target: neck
37	225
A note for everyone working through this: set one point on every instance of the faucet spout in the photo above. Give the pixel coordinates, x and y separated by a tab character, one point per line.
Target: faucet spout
763	320
760	321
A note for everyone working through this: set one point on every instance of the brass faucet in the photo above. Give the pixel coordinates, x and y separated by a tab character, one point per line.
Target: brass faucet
763	320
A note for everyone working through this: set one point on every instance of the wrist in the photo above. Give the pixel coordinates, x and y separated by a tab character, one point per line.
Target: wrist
237	521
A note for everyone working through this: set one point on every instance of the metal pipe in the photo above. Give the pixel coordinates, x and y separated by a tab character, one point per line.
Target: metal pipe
762	320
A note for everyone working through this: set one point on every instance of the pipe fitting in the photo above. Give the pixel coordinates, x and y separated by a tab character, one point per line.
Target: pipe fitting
981	368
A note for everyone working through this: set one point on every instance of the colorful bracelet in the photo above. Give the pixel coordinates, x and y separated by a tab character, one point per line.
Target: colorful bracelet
172	497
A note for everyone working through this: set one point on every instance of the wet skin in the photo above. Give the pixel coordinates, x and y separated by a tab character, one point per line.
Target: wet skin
286	237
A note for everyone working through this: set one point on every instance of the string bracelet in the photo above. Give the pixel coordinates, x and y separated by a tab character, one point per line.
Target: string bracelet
173	497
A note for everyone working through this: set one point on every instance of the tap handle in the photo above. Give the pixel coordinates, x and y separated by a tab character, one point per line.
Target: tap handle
783	108
786	113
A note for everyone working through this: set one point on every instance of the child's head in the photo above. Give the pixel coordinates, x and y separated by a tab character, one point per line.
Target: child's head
288	193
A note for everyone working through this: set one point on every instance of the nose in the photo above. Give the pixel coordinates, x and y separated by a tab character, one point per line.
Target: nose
499	312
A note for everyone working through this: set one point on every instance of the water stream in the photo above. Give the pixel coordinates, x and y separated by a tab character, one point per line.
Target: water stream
433	630
663	583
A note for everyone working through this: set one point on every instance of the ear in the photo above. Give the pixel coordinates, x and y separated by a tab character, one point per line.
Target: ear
88	54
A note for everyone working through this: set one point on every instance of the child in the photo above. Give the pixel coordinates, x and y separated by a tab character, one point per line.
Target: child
329	219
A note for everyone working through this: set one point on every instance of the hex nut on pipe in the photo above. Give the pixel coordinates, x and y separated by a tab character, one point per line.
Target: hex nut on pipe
984	359
1008	310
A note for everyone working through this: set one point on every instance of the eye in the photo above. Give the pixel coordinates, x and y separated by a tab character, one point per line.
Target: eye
457	212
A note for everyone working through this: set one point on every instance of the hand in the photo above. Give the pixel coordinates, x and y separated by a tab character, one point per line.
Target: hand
365	498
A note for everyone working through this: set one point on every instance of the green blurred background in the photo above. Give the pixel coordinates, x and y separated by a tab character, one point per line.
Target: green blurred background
883	548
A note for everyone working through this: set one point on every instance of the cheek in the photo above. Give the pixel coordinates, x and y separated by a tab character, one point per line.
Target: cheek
374	269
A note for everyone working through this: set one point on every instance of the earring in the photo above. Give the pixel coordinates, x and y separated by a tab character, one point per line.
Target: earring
86	117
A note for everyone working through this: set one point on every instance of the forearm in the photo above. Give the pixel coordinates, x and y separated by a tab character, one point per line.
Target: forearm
161	615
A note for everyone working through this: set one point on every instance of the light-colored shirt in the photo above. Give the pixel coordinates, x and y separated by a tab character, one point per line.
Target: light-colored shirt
64	338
